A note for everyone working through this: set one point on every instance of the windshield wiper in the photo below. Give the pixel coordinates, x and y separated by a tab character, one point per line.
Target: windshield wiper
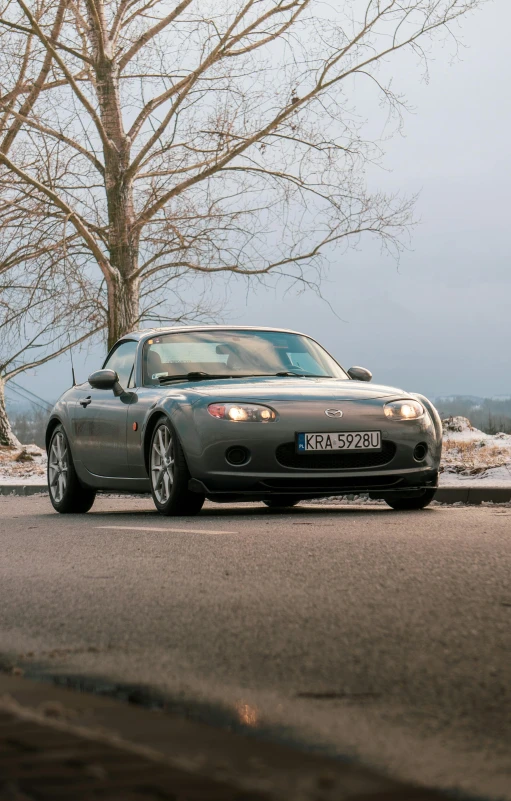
200	376
193	376
302	375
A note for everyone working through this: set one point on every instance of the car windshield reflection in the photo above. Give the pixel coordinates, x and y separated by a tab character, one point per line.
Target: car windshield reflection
216	354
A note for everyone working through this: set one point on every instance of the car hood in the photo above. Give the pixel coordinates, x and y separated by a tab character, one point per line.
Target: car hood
290	389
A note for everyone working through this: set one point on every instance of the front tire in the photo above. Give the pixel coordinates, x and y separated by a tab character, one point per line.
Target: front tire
410	504
169	474
67	495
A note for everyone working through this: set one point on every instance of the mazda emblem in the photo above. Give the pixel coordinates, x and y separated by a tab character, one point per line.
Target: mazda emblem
333	412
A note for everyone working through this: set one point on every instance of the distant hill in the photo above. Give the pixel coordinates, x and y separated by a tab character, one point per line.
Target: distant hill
490	415
475	399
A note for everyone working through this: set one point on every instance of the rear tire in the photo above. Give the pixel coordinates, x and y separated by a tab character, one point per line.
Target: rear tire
410	504
281	502
67	495
169	474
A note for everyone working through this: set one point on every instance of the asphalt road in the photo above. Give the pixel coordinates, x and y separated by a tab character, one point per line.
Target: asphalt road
383	636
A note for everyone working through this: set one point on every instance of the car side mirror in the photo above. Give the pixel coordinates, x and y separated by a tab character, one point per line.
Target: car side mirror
360	374
106	379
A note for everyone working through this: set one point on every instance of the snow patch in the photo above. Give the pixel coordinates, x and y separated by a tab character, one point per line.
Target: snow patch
471	454
26	465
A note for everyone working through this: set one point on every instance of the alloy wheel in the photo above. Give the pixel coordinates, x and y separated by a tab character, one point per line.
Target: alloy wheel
58	467
162	463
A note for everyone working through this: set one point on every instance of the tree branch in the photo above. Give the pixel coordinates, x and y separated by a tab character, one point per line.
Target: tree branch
152	32
79	94
73	216
56	135
23	29
38	362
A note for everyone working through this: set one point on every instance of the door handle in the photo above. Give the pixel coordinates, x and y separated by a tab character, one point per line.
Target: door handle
85	402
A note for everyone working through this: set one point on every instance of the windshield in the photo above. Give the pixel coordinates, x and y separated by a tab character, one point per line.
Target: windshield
236	353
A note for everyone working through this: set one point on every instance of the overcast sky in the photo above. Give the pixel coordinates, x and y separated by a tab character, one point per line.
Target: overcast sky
441	323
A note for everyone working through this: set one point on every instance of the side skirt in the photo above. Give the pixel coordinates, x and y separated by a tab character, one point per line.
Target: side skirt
110	482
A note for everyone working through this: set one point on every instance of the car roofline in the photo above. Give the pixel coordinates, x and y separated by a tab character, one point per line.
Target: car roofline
142	335
147	333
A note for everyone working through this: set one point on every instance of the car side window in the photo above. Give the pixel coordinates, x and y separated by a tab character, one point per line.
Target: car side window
122	360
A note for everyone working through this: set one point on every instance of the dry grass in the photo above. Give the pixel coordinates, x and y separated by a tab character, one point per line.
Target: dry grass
473	457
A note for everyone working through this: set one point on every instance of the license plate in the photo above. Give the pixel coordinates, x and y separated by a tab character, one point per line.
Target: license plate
341	441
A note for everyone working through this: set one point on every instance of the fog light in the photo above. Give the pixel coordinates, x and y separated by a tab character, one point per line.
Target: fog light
420	452
237	455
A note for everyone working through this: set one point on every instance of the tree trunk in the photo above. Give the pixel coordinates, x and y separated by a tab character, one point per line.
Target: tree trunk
123	307
123	237
7	436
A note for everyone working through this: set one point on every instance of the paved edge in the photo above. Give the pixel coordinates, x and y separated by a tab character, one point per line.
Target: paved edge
22	489
473	495
194	750
449	495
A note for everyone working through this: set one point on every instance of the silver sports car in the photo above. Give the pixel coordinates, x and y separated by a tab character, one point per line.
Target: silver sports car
237	414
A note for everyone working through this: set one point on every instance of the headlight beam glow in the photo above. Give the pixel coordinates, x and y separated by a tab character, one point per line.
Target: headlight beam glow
242	412
403	410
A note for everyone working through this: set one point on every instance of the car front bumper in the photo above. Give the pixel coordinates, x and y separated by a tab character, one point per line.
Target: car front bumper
264	474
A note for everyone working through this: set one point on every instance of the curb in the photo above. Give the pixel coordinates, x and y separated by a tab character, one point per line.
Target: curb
472	496
22	489
60	743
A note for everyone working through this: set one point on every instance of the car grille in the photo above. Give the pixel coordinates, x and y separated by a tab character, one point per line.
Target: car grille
333	460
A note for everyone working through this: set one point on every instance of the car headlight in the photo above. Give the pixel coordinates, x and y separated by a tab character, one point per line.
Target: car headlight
403	410
242	412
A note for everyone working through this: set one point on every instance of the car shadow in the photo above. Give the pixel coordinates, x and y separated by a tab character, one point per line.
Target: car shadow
222	511
226	511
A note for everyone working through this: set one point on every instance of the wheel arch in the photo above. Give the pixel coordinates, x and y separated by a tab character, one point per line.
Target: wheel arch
50	428
152	422
435	417
148	433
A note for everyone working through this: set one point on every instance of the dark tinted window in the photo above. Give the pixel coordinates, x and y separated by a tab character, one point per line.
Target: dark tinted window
122	361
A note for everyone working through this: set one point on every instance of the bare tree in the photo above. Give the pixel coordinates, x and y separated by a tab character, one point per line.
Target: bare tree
50	300
52	296
177	139
43	312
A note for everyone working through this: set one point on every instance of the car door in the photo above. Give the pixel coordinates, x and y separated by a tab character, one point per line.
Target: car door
100	419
